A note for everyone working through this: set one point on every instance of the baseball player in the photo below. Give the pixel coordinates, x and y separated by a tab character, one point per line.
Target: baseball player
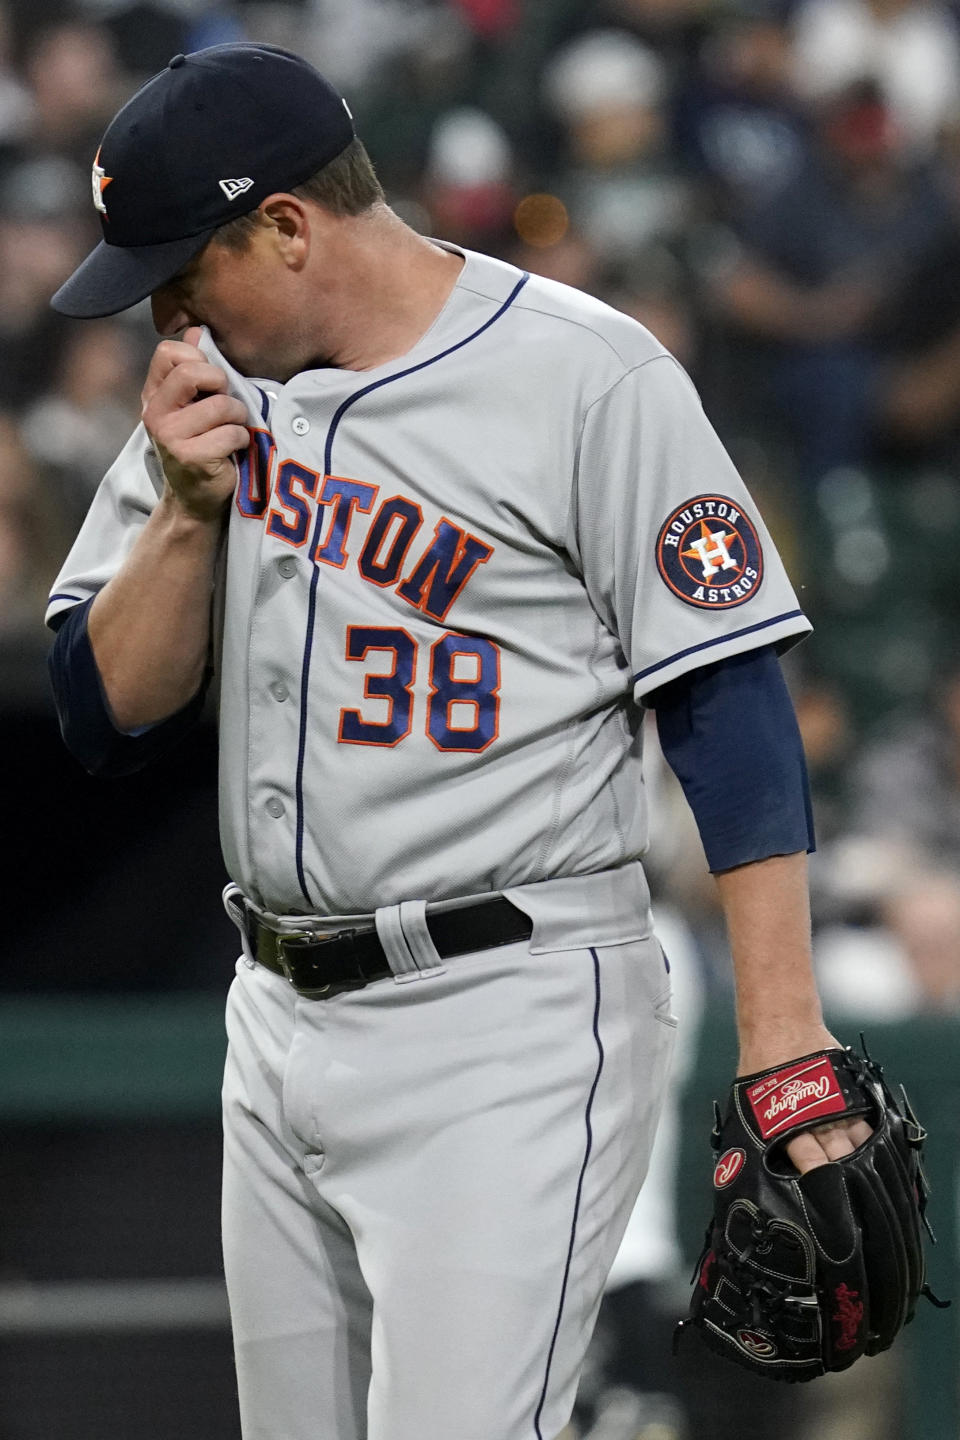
440	530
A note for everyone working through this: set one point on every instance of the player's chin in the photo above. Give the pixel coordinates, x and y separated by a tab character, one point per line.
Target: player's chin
262	365
244	364
256	366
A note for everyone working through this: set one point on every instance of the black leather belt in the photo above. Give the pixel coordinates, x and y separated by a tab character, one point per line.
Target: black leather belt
321	966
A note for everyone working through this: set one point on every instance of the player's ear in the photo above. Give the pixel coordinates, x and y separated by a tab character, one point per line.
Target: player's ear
289	222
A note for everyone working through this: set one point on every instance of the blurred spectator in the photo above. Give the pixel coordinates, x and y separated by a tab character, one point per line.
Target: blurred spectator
903	956
76	86
618	179
819	266
214	24
739	123
16	106
654	290
828	739
79	428
925	920
421	80
146	35
568	258
489	19
911	48
920	389
469	188
354	42
670	25
886	889
920	394
906	782
32	539
39	245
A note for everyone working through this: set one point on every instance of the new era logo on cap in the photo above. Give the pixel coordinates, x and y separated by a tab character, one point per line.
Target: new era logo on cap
233	188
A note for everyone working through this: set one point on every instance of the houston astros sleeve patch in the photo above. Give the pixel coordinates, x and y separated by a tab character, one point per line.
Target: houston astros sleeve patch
709	555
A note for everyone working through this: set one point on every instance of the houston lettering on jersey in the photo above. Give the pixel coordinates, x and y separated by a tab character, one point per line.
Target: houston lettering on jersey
429	577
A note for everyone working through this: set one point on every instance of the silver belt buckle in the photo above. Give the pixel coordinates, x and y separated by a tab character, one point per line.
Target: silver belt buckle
303	937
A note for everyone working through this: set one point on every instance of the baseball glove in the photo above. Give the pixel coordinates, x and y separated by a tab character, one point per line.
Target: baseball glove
802	1274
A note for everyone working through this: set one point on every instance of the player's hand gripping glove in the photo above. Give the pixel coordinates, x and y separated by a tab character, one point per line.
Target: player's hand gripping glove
805	1273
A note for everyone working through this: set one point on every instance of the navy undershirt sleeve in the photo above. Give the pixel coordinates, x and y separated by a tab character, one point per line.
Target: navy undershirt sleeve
86	723
730	735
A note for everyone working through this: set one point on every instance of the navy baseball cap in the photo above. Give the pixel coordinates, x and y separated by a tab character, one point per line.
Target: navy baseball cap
202	142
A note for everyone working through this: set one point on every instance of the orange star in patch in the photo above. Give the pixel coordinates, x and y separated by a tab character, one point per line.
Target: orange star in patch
711	550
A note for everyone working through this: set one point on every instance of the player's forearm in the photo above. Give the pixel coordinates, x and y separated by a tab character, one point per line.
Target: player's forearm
767	912
150	626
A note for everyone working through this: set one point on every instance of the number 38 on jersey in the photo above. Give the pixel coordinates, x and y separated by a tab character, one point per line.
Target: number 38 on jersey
464	701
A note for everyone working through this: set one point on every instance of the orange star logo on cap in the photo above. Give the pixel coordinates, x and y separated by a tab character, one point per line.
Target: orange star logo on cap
100	180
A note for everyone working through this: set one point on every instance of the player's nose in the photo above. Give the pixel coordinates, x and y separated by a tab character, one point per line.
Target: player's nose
170	314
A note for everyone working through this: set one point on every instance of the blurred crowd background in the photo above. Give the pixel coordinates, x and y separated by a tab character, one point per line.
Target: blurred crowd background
773	188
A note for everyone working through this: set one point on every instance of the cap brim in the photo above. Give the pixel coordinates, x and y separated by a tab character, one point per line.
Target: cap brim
114	277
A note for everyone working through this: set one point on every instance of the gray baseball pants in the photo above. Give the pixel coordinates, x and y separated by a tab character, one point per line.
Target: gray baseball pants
426	1182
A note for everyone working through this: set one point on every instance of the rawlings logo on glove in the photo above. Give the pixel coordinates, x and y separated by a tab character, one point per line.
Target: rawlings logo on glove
805	1273
808	1090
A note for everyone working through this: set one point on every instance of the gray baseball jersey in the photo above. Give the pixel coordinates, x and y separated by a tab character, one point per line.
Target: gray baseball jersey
447	583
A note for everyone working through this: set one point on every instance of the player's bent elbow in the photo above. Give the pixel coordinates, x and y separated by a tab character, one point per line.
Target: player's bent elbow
88	727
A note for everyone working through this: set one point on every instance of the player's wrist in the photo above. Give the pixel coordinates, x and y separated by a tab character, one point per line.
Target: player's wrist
196	512
781	1044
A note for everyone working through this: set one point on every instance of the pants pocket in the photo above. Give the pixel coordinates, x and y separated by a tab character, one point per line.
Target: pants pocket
662	1010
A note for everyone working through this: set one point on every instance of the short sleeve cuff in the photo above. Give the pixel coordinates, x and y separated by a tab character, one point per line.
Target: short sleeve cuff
781	631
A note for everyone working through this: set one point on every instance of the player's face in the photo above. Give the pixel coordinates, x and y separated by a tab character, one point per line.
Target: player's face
246	301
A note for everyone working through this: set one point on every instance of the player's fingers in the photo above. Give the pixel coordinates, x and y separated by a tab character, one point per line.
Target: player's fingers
166	355
827	1142
843	1136
180	390
184	382
858	1130
169	359
205	451
222	444
806	1152
204	414
836	1142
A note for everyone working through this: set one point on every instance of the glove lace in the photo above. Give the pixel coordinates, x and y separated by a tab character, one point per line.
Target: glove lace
766	1295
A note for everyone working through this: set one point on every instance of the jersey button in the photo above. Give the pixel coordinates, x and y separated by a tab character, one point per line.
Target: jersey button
275	807
300	426
278	690
287	567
